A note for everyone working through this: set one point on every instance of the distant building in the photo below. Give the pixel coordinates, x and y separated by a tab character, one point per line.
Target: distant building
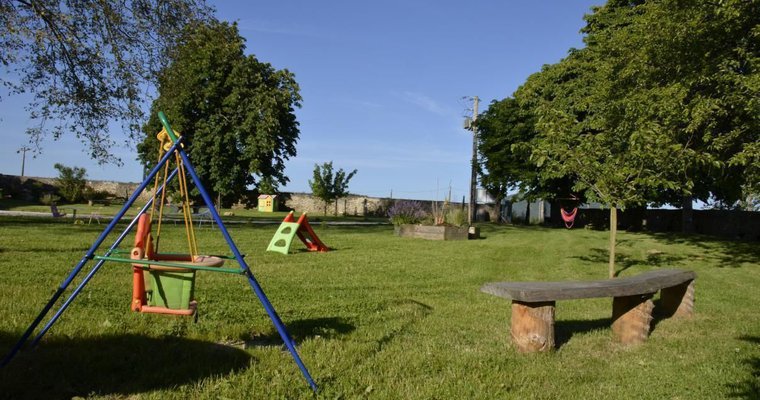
267	202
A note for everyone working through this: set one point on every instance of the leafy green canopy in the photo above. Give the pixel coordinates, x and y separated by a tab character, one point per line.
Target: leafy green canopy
506	135
87	63
235	112
662	103
612	166
691	71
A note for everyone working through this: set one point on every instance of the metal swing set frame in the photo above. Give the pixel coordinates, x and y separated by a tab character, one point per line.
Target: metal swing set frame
171	145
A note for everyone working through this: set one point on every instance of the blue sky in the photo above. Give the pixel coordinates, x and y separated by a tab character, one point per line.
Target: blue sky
383	85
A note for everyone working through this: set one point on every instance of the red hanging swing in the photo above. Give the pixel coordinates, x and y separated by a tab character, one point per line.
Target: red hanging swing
569	216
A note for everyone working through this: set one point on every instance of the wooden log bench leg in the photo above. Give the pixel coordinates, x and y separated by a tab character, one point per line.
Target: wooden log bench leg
631	316
532	326
678	301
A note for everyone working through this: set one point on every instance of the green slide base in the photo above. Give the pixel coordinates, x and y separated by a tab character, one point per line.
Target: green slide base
283	237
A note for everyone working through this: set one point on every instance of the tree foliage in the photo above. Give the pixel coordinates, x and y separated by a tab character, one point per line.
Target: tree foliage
235	112
614	165
661	104
87	63
329	186
688	72
71	182
504	134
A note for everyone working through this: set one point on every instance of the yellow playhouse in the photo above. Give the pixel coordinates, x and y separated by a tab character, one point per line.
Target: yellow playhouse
267	202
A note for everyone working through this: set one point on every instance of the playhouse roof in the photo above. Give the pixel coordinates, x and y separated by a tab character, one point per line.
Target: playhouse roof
264	196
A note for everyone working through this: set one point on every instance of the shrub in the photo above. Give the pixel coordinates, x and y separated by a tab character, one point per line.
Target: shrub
48	199
71	182
406	212
91	194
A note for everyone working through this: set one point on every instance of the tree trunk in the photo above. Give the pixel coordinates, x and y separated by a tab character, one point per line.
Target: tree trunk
613	238
336	207
527	212
687	214
497	208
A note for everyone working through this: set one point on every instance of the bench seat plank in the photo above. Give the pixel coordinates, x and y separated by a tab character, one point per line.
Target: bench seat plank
648	282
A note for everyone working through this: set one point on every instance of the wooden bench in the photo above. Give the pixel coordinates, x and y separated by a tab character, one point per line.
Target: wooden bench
532	325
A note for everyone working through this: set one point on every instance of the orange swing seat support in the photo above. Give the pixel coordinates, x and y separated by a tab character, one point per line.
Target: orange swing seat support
167	290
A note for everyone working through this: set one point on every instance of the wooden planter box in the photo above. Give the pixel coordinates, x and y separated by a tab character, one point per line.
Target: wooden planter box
431	232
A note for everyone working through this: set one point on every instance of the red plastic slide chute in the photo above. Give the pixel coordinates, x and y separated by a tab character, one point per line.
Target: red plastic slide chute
306	233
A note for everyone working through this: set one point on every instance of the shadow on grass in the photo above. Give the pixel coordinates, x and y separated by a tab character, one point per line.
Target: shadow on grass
407	312
564	330
660	313
725	253
120	365
330	248
398	317
624	262
327	327
750	387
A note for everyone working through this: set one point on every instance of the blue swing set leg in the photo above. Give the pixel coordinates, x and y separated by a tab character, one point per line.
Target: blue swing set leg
258	291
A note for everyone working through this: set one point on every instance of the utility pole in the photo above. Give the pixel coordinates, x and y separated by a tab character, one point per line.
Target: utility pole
473	126
23	151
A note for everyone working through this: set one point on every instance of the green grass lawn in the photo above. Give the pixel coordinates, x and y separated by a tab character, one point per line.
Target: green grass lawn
378	317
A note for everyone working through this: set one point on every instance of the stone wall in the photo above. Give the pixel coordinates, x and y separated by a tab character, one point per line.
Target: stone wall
118	189
365	206
121	190
27	186
351	205
355	205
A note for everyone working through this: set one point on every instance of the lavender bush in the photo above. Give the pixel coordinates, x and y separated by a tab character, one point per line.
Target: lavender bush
406	212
